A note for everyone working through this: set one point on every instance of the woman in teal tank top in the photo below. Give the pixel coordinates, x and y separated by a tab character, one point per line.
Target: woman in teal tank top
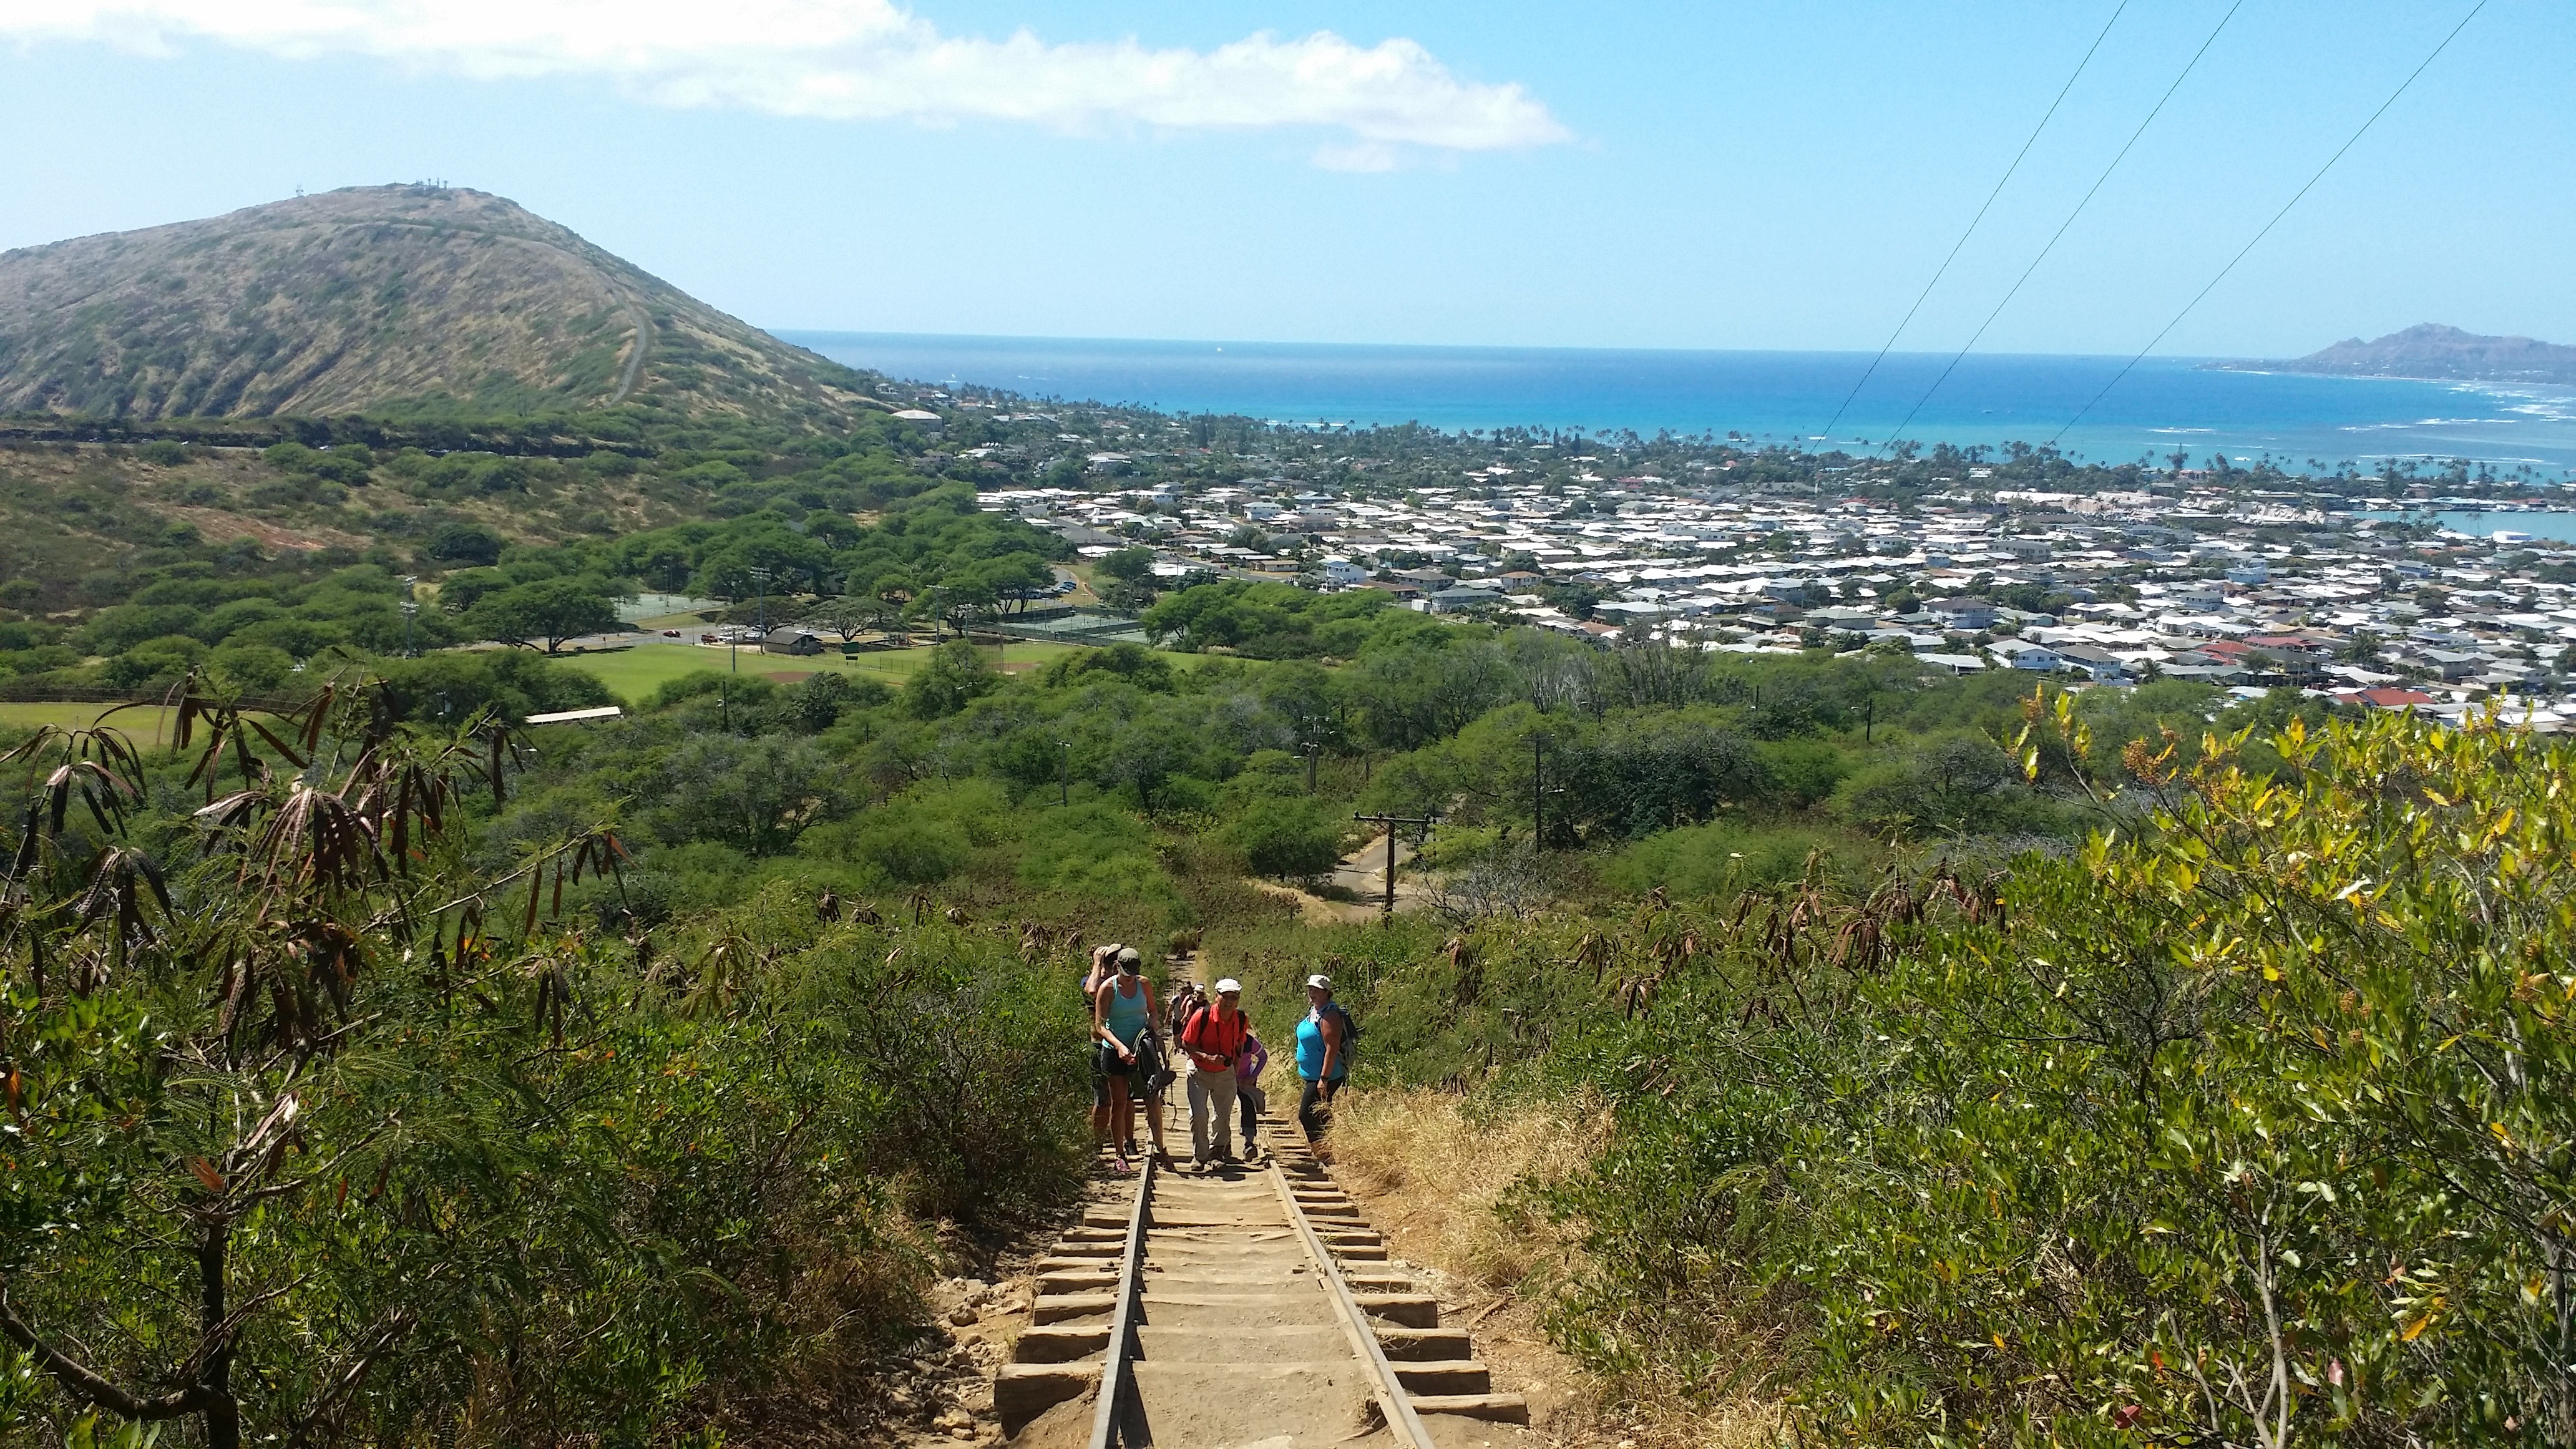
1323	1056
1121	1010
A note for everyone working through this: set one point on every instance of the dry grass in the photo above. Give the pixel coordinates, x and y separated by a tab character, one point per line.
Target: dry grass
1439	1176
1438	1173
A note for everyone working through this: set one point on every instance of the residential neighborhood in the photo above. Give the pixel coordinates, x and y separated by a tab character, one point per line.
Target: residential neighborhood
2366	602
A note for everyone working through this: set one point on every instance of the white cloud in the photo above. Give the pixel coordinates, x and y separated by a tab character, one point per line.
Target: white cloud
1358	156
857	60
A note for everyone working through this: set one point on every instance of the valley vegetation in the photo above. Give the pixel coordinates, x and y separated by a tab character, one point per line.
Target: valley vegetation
1959	1063
1979	1068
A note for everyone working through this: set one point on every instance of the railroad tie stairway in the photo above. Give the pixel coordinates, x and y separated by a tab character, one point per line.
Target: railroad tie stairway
1437	1366
1246	1296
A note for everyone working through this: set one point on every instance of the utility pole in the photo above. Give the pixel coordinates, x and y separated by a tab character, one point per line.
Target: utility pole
1539	792
1313	750
1064	772
760	581
1390	822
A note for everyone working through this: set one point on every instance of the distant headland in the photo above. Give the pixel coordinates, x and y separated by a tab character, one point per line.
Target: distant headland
2432	351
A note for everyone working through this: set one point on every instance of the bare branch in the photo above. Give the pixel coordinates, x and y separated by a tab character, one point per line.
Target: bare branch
92	1387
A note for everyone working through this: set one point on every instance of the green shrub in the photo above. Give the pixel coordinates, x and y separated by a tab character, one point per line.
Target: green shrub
2235	1119
922	837
449	688
645	1186
1725	857
250	668
466	543
1091	850
1287	836
154	661
757	794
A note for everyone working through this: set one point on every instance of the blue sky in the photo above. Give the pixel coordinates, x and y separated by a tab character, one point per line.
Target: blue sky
1775	175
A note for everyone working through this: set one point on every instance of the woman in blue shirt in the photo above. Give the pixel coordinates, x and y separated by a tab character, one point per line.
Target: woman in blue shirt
1323	1057
1121	1010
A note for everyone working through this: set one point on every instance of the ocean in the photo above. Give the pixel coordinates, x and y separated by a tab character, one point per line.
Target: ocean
2543	527
2164	404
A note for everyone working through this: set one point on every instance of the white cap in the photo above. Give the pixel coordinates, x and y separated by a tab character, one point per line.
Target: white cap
1229	987
1320	981
1127	954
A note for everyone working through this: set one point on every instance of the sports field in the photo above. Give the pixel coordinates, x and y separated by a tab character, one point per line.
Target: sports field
143	723
635	673
632	674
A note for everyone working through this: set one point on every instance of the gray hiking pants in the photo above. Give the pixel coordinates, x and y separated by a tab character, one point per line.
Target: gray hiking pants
1212	1113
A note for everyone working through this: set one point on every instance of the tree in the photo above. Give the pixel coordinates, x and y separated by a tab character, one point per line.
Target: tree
962	597
848	615
1133	663
956	675
1018	578
468	543
551	610
1128	565
1287	837
757	795
1143	756
894	592
797	563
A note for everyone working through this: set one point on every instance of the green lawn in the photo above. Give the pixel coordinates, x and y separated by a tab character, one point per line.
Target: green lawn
631	674
634	673
143	724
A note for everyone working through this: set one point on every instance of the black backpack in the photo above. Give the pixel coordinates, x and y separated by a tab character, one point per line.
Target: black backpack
1350	1029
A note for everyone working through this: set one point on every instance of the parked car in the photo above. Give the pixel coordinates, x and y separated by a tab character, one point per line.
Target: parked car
670	633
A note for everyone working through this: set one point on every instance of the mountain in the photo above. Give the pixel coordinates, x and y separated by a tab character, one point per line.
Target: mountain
381	299
2430	350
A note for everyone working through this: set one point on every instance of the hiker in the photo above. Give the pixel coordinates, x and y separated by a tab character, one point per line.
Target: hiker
1323	1058
1104	964
1185	1004
1247	1091
1122	1014
1214	1039
1153	1076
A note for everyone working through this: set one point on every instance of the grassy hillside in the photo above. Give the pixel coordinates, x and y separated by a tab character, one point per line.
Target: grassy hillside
385	300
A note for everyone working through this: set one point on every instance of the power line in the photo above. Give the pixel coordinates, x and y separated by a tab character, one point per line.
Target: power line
2195	301
2187	69
1938	272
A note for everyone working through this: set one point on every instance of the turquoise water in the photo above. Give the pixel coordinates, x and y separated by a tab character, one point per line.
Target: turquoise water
2556	527
2162	406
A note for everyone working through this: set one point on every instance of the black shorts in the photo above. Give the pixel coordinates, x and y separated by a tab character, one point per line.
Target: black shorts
1108	1063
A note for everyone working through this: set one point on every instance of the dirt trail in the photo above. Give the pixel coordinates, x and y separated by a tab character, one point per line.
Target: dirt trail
1361	875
